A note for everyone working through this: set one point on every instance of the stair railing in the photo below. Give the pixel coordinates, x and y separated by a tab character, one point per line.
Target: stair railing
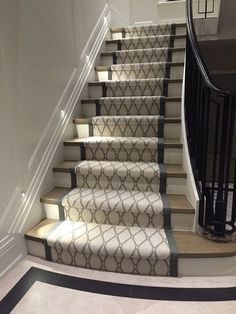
210	123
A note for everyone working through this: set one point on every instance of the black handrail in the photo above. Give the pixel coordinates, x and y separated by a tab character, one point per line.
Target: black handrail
210	114
196	50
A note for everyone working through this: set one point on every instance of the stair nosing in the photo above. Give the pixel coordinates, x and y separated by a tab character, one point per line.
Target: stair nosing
165	98
101	83
122	29
116	41
173	49
83	120
104	68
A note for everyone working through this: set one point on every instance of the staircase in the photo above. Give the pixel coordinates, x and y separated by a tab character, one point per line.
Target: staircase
119	200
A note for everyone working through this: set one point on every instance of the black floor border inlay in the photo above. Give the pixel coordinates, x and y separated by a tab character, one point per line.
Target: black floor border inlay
115	289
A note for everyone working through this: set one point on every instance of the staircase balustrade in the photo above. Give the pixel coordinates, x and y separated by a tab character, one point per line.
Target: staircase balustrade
210	122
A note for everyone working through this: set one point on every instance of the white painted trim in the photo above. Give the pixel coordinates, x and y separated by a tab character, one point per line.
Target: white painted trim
44	154
12	252
191	189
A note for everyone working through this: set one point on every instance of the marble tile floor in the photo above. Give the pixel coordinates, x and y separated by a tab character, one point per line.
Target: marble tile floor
53	299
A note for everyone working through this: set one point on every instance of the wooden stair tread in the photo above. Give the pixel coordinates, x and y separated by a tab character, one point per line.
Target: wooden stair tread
54	196
122	29
83	120
179	204
110	54
102	68
175	171
172	170
168	143
101	83
191	245
167	99
111	41
66	166
40	230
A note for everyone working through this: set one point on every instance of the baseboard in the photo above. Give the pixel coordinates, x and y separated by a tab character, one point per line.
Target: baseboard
51	139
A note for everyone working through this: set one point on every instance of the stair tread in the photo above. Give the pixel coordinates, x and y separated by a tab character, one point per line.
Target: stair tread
192	245
101	83
110	54
82	120
66	166
54	196
122	29
168	143
94	100
178	203
114	200
131	242
110	41
145	64
189	245
172	170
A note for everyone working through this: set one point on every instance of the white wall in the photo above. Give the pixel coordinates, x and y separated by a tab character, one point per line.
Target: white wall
43	69
143	11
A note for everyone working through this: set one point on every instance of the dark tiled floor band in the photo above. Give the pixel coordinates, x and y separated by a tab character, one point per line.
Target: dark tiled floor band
120	290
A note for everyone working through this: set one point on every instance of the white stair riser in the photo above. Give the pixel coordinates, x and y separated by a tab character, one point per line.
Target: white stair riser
182	222
174	185
177	56
35	248
172	109
171	130
51	211
179	30
218	266
174	90
178	43
176	72
171	155
62	180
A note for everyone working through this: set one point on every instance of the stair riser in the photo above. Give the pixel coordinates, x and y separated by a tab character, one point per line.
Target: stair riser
177	56
179	222
176	72
172	109
171	155
171	131
179	30
174	90
114	46
174	185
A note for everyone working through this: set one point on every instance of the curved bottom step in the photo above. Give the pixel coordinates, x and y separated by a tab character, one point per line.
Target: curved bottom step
133	250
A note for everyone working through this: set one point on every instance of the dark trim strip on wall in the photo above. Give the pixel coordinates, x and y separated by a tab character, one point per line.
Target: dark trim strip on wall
115	289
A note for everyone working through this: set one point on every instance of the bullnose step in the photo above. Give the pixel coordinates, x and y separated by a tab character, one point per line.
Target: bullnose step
123	249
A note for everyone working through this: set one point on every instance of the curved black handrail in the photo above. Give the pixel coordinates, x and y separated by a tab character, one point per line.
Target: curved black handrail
211	127
197	54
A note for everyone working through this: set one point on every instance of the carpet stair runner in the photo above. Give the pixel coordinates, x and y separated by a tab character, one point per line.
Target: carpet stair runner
115	204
